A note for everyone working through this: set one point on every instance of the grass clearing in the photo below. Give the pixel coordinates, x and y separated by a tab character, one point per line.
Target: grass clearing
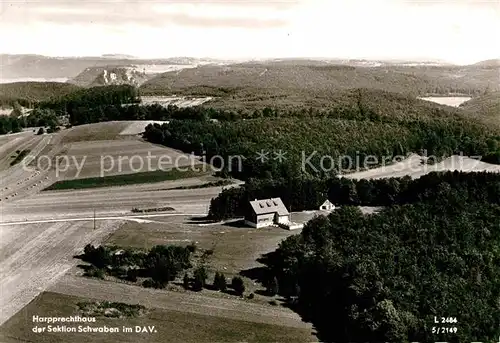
123	180
234	248
171	326
94	132
120	156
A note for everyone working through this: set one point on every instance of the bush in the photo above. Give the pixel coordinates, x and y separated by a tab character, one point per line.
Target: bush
238	285
192	247
95	272
220	282
185	281
132	275
41	131
150	283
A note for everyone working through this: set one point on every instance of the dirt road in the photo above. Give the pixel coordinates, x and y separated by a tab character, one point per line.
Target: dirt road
108	201
41	231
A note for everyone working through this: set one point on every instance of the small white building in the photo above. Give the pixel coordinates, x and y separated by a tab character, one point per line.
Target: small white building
327	206
266	212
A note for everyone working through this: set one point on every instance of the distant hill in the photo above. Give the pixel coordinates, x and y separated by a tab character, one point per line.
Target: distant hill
132	74
304	81
36	66
489	63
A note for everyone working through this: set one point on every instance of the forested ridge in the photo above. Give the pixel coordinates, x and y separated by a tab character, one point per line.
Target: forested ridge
28	94
309	193
298	81
364	123
433	251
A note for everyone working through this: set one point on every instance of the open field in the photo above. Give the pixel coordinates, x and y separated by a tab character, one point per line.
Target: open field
413	167
127	179
32	257
94	132
80	159
171	326
235	247
222	306
121	156
19	178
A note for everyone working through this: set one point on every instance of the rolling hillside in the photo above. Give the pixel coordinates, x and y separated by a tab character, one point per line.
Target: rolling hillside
102	76
489	63
248	84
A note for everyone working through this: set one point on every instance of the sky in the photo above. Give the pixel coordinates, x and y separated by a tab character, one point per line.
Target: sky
457	31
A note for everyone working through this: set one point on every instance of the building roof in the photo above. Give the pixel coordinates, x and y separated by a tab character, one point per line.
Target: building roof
266	206
327	203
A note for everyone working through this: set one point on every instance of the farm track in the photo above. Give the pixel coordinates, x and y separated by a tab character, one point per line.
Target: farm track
8	150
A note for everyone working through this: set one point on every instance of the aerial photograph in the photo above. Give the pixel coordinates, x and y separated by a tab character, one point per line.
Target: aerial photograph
229	171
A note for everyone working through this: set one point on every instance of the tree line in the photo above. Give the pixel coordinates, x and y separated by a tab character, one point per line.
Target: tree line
38	117
302	194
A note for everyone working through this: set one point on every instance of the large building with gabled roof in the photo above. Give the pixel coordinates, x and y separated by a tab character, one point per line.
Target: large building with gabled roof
266	212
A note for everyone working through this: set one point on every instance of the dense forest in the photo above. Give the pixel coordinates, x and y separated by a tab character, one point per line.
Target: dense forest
92	105
15	122
28	94
384	277
487	106
160	265
368	123
309	193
